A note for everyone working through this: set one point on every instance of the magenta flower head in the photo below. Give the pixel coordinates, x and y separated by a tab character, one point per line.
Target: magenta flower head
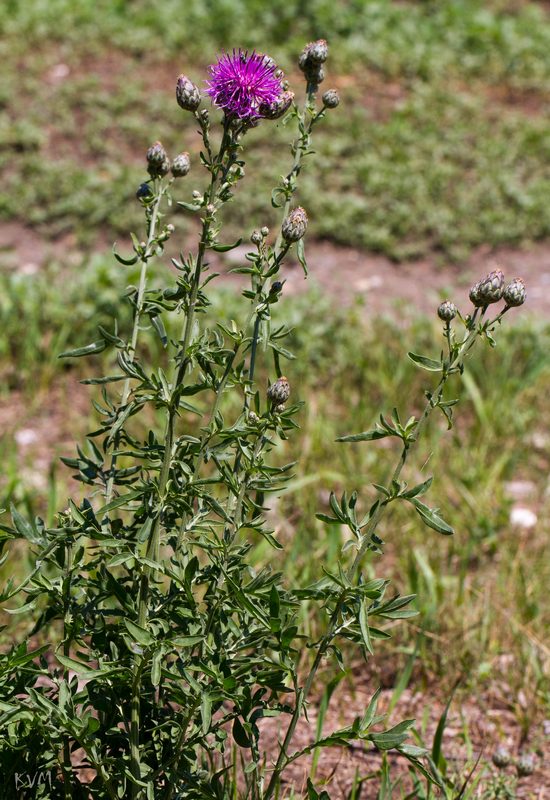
240	83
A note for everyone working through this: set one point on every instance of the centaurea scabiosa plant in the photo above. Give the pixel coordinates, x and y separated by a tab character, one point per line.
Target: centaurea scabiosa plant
161	652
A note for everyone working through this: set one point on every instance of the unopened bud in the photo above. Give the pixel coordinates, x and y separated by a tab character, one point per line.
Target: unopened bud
196	194
514	294
156	154
331	98
491	287
276	287
447	311
525	765
279	392
294	226
278	107
158	163
311	60
314	52
187	94
253	418
256	237
501	758
475	295
181	165
264	231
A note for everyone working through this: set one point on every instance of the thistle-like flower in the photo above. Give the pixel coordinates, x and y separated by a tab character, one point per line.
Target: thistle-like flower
187	94
447	311
294	226
279	392
181	165
514	294
240	83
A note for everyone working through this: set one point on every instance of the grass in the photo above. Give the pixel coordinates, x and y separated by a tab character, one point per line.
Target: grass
446	103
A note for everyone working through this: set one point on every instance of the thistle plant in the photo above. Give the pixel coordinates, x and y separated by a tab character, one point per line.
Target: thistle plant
157	652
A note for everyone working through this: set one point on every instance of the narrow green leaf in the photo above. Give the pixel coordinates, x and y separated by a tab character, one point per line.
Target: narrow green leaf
426	363
88	350
139	634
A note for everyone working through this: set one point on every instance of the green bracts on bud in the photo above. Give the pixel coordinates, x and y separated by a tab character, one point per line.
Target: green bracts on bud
187	94
447	311
294	226
278	107
514	294
181	165
331	98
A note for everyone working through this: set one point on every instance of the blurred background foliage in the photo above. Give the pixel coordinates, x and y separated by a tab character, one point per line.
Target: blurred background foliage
441	143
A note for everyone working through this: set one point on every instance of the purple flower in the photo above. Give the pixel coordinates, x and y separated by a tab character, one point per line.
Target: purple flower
240	83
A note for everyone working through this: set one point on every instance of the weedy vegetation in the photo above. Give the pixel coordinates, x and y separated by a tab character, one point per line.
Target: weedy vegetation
160	651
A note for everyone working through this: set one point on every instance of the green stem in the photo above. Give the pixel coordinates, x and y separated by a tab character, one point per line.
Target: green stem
303	694
153	543
135	329
66	760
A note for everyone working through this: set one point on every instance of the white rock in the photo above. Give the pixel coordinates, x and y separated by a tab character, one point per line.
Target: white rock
25	437
523	517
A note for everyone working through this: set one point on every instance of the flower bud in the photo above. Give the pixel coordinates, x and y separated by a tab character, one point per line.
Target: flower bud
491	287
314	53
525	765
279	392
514	294
181	165
501	758
331	98
264	231
311	60
157	160
294	226
475	296
256	237
447	311
276	287
278	107
187	94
